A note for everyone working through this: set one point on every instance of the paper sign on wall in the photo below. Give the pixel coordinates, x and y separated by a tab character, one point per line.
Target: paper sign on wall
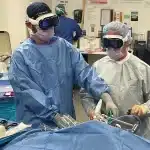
118	16
99	1
132	1
126	19
134	16
91	14
147	3
126	16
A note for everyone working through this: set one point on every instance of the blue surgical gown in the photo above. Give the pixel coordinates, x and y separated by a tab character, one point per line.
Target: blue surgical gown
42	77
66	29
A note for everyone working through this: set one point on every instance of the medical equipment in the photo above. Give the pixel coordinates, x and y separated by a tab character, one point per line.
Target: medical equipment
78	15
139	48
148	40
16	129
45	21
112	43
131	123
127	122
8	128
7	125
98	106
2	131
64	121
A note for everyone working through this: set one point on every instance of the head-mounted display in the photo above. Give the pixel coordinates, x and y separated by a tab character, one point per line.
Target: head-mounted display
113	41
45	21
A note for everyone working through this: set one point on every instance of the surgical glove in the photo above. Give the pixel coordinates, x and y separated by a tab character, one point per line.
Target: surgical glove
94	116
64	121
139	110
110	106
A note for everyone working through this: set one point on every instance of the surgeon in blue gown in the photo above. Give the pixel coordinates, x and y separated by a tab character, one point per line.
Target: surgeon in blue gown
67	27
43	70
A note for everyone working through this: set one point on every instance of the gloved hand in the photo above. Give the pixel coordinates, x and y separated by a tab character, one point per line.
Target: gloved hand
64	121
94	116
139	110
110	106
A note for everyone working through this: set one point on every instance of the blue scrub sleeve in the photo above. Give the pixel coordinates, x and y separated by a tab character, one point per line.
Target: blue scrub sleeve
86	77
78	31
27	91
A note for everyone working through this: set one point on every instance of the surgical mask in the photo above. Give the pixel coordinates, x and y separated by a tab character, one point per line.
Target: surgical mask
43	35
114	54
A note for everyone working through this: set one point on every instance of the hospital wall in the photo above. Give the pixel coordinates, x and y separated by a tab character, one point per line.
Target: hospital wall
12	14
141	26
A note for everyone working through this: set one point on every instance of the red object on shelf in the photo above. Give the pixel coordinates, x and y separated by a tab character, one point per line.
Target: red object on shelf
95	51
9	94
99	1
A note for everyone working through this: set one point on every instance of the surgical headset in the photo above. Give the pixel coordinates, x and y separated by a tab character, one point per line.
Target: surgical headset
46	21
114	41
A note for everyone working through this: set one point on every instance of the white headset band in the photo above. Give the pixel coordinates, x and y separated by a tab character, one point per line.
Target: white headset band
33	22
36	22
45	16
113	37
